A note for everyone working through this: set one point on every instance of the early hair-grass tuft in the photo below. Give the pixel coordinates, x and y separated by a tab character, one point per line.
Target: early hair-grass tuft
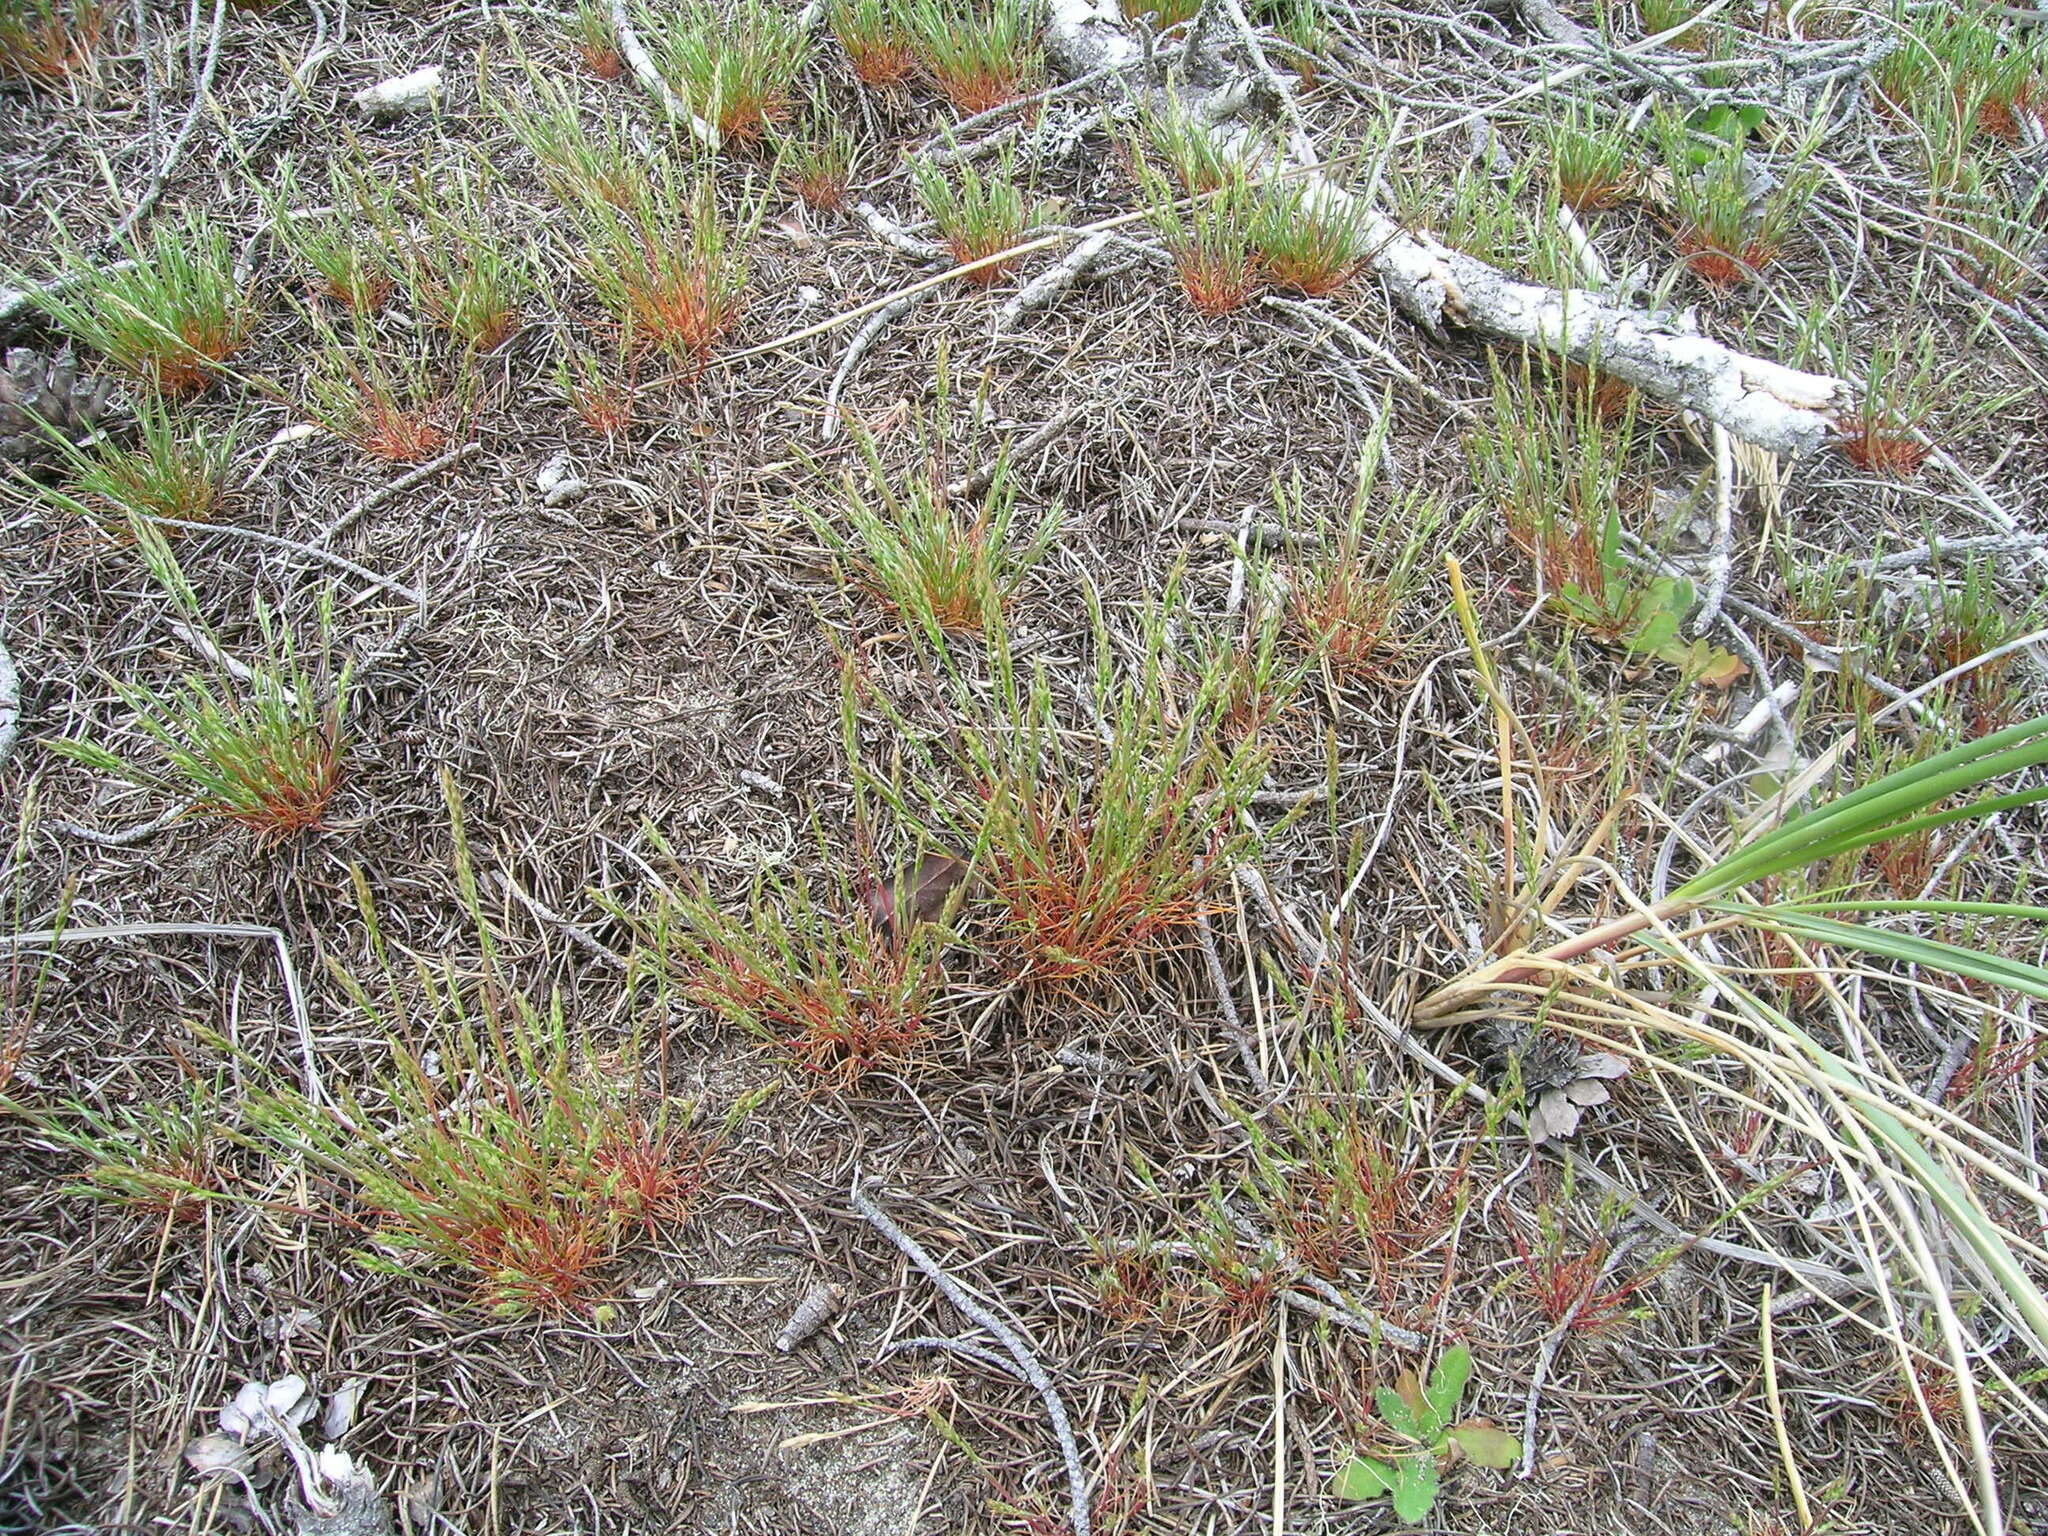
169	314
982	56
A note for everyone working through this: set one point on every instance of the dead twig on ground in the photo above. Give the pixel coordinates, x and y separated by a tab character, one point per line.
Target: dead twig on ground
1027	1363
121	932
202	90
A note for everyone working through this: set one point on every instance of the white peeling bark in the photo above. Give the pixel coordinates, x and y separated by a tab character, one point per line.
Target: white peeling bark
1777	408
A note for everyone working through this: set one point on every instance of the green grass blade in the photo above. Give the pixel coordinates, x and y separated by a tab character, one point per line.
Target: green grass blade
1881	808
1906	948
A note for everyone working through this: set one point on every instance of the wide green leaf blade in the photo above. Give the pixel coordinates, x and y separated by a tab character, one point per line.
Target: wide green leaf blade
1362	1478
1415	1490
1907	948
1396	1411
1860	817
1486	1444
1446	1386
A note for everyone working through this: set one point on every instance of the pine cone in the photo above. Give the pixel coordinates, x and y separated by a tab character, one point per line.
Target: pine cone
37	389
1560	1078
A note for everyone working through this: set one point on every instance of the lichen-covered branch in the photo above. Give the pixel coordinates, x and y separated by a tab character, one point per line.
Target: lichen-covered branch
1759	401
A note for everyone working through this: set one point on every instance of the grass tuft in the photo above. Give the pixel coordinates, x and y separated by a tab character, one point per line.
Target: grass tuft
601	391
43	42
1095	848
264	751
807	968
581	165
169	317
1186	146
736	65
880	40
501	1155
978	216
819	166
158	1158
1726	230
982	57
464	274
1211	238
1905	387
497	1143
353	251
1589	160
671	267
1308	240
589	30
171	469
946	568
1343	609
401	408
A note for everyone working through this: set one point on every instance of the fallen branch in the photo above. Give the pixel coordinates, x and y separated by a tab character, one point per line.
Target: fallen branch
1760	401
634	52
975	483
294	994
202	91
856	349
10	704
1027	1363
1047	288
402	484
127	838
896	237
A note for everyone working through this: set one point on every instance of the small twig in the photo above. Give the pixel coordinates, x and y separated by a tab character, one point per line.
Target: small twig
124	839
10	704
569	930
202	89
1027	1363
204	647
1338	326
1547	1355
1923	554
1777	1408
856	349
1721	559
1046	289
1233	1021
402	484
971	1351
15	302
896	237
275	936
1353	1321
977	482
342	562
1239	561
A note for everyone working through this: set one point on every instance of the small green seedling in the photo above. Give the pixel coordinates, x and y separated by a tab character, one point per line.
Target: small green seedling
1421	1416
1726	121
1645	621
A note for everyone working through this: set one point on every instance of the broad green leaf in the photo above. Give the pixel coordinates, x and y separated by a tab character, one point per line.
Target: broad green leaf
1415	1489
1712	667
1362	1478
1655	632
1399	1415
1485	1444
1446	1386
1409	1385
